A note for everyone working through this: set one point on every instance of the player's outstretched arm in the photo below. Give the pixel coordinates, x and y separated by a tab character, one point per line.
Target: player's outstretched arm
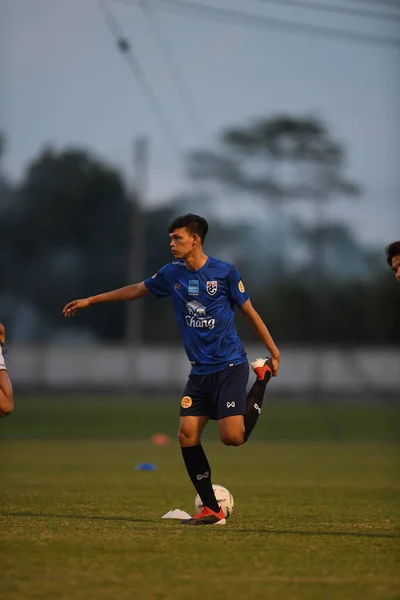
6	391
258	325
129	292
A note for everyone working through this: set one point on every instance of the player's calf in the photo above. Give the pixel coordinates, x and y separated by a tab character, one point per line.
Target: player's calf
195	460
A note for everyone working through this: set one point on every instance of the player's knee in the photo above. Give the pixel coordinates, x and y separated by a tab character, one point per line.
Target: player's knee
6	406
235	438
187	438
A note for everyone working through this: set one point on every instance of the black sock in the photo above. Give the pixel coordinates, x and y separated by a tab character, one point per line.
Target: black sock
253	406
199	472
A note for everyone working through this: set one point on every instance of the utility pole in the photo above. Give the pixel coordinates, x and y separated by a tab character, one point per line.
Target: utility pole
137	254
320	300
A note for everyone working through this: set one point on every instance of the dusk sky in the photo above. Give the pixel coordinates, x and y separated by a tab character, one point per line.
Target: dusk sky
63	82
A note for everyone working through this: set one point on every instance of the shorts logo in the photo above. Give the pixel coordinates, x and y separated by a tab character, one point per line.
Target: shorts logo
211	287
230	404
241	287
186	402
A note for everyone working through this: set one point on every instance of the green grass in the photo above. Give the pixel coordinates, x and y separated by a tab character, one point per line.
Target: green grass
316	505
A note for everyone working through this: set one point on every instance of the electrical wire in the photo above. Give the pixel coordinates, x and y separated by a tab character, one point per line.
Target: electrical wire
342	10
254	21
172	67
140	77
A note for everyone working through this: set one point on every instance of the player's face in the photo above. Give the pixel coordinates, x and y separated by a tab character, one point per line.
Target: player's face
396	266
182	243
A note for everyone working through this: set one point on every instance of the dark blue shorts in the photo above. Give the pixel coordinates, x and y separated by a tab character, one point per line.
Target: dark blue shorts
216	395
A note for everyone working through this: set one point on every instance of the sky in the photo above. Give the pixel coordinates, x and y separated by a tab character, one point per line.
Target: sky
64	83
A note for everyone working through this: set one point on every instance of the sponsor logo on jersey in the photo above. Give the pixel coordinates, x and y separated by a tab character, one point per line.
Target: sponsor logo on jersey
241	287
197	316
211	287
186	402
194	287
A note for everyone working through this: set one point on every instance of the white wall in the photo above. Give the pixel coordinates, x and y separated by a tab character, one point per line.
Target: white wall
103	368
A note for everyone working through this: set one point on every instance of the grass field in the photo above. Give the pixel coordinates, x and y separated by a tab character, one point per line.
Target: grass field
316	505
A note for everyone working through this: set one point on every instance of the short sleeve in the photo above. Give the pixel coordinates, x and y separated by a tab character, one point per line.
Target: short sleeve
158	284
236	288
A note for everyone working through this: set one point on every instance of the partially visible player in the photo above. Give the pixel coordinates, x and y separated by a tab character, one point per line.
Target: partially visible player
205	292
6	391
393	258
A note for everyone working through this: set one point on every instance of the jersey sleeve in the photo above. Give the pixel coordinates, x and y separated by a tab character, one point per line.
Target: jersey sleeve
236	288
158	284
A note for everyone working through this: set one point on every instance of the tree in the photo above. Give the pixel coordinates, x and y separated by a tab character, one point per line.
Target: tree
70	229
281	161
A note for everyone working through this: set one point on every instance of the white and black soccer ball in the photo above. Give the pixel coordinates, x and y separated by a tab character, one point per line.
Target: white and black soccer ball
224	499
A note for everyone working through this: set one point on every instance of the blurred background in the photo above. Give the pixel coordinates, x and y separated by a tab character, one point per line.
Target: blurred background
278	121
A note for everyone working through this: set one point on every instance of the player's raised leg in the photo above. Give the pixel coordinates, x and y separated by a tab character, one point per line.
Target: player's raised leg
263	370
238	411
199	471
6	391
230	389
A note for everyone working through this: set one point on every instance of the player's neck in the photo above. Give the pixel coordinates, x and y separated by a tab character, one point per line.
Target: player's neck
196	261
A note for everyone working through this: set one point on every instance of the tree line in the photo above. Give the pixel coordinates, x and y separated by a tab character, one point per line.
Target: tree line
66	231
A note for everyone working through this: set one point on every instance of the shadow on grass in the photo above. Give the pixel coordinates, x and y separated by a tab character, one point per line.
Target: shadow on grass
235	530
331	533
80	517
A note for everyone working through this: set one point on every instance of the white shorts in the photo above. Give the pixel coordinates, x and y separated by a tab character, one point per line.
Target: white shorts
2	363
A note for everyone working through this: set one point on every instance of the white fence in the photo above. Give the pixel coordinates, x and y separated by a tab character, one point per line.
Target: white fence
158	369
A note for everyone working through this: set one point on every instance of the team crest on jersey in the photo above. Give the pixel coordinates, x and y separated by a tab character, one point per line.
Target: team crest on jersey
212	287
241	287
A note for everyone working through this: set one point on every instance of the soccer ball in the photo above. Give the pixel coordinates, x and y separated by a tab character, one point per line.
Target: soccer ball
224	499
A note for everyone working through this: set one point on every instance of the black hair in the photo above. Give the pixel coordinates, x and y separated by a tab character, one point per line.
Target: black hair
193	223
391	251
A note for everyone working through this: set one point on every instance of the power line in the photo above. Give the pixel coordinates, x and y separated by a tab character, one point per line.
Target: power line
174	71
261	22
342	10
380	3
138	73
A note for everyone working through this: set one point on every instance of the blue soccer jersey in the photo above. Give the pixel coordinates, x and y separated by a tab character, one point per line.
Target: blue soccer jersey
204	302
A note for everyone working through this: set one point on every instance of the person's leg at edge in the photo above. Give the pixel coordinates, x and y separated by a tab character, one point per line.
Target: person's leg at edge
6	391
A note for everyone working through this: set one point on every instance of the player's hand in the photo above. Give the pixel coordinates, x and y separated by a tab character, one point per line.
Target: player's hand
70	309
275	362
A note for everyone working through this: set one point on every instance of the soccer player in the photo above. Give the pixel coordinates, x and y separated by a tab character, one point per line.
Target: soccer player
393	258
204	292
6	391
